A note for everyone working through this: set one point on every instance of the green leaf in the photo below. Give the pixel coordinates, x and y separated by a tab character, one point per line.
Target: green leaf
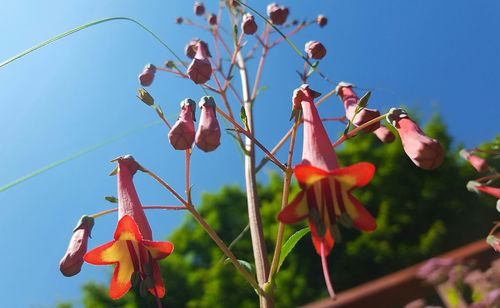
312	68
261	89
243	263
111	199
290	243
363	101
243	116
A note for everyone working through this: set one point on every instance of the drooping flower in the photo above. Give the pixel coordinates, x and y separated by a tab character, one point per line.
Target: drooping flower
350	99
315	50
200	70
147	75
208	133
132	255
277	14
199	8
72	262
384	134
478	187
425	152
326	196
182	134
477	162
132	251
321	20
248	24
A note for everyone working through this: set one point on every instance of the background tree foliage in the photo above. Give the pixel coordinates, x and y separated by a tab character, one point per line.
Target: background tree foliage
419	214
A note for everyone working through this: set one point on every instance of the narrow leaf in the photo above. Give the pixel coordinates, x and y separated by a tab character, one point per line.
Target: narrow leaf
261	89
243	263
243	116
290	243
111	199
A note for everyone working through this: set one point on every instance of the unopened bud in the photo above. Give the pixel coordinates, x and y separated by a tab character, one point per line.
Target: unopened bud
248	24
351	101
321	20
212	19
199	8
477	162
425	152
181	135
145	97
71	263
494	242
208	133
200	70
147	76
315	50
179	20
277	14
384	134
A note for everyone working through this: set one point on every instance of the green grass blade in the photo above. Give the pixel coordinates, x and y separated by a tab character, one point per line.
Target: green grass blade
77	155
85	26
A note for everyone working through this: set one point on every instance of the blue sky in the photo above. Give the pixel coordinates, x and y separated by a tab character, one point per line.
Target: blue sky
433	56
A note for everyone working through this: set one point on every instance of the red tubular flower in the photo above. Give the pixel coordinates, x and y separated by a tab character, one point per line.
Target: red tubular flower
478	187
128	200
200	70
148	75
350	100
208	133
132	250
132	255
71	263
248	24
199	8
181	135
425	152
477	162
325	198
321	20
315	50
277	14
384	134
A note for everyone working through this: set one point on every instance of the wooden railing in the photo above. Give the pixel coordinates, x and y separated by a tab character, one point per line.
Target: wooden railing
400	288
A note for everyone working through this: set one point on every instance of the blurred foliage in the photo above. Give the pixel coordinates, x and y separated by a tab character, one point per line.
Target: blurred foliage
419	214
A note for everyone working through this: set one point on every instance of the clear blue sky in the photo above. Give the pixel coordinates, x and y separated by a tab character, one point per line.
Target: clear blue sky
434	56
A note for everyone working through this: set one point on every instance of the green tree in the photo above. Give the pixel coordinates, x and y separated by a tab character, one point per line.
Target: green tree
419	214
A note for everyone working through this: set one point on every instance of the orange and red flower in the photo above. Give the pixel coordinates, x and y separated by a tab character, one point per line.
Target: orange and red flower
131	254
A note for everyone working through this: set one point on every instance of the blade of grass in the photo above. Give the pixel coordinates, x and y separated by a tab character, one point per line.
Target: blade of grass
77	155
85	26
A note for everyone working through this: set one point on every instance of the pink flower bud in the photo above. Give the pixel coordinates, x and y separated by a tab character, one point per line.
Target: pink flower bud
71	263
425	152
350	99
179	20
321	20
181	135
477	162
208	133
212	19
148	75
315	50
199	8
248	25
277	14
200	70
191	48
384	134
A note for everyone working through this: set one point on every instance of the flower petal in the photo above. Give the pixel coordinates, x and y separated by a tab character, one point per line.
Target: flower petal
361	218
120	282
127	230
308	175
357	175
103	255
296	211
317	240
158	250
159	289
